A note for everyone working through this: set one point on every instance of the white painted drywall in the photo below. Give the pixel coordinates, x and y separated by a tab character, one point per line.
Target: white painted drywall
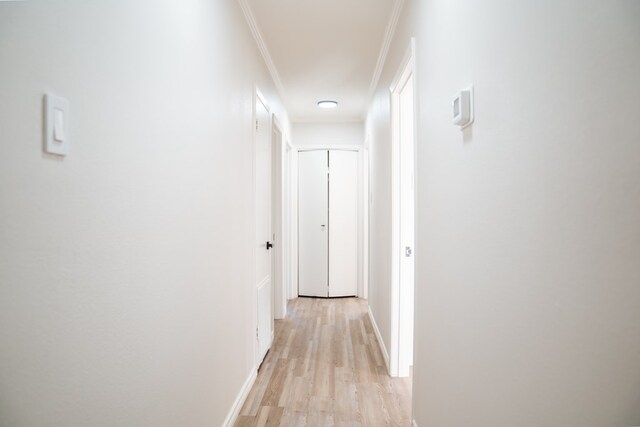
327	134
126	268
528	246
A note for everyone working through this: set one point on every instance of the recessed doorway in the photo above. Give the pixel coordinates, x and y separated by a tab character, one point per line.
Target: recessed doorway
403	229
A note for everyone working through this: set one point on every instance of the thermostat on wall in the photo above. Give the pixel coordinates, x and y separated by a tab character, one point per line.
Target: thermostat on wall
463	108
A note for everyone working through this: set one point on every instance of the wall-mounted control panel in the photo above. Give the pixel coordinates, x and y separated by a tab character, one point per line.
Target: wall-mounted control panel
56	129
463	108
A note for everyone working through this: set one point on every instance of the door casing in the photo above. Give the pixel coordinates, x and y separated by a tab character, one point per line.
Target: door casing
403	127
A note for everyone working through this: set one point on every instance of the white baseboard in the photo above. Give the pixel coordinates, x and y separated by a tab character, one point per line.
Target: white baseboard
383	348
242	396
414	423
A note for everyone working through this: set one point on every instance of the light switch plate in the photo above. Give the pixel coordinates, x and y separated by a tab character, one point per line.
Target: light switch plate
463	108
56	130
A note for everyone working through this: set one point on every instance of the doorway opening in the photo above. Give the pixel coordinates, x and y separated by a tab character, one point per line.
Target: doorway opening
403	217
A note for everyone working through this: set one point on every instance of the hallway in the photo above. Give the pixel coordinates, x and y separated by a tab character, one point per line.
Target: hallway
325	368
175	174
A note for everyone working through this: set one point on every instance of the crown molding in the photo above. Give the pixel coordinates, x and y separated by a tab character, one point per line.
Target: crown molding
262	46
384	49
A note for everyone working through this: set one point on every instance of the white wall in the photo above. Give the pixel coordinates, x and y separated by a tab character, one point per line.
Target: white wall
306	134
528	272
126	268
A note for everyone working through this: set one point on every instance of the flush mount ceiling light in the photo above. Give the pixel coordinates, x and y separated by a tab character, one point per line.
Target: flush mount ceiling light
327	104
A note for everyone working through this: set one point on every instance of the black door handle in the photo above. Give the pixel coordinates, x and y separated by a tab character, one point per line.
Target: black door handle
269	245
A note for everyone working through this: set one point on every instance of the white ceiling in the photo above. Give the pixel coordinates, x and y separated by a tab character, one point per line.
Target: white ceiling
322	49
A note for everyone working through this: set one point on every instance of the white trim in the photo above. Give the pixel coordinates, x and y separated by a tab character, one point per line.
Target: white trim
240	399
262	46
414	423
383	348
386	44
366	191
360	223
293	221
287	155
254	252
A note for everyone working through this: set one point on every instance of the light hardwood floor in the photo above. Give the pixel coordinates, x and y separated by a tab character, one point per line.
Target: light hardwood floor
325	368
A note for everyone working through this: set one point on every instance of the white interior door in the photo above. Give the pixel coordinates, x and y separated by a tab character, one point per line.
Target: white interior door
407	232
343	223
263	228
313	223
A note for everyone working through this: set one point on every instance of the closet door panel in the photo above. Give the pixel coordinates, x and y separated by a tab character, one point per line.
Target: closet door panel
343	223
313	223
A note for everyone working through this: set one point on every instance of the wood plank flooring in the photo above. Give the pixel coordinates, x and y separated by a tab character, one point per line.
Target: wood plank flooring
325	368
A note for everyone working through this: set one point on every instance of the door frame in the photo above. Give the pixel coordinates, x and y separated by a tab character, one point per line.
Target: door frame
363	211
287	189
397	348
291	222
278	278
366	204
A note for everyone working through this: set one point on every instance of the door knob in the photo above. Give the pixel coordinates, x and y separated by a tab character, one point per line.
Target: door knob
269	245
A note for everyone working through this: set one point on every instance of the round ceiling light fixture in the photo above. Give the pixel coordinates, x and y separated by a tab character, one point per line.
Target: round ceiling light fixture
327	104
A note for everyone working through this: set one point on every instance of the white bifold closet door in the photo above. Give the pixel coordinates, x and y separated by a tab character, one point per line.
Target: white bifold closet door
343	223
328	223
313	220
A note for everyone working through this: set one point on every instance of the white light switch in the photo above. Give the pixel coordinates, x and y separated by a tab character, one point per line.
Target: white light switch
463	108
56	125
